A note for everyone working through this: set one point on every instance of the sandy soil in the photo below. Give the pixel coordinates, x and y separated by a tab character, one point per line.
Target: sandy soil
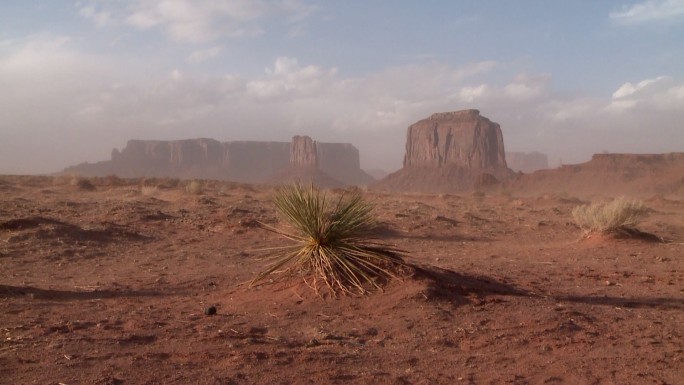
110	286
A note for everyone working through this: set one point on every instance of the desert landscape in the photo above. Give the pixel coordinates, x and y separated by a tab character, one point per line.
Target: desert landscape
286	192
106	281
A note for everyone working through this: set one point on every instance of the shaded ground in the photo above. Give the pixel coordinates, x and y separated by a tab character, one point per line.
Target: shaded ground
109	287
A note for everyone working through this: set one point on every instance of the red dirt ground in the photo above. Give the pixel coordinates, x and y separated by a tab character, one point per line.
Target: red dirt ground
109	287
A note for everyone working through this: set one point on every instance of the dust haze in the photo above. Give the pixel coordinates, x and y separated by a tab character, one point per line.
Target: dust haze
63	107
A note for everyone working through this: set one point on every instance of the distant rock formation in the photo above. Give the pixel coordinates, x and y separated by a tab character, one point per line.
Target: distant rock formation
460	138
609	175
303	152
240	161
527	161
304	165
451	152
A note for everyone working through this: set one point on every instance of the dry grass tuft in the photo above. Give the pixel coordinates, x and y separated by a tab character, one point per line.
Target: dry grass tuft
620	215
194	188
149	191
330	246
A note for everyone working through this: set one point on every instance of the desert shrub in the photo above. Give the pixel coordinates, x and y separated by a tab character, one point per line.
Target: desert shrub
168	183
619	215
149	191
114	180
331	246
82	184
194	188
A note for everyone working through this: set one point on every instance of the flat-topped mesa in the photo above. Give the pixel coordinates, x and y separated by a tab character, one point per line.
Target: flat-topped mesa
240	161
179	153
451	152
459	138
645	175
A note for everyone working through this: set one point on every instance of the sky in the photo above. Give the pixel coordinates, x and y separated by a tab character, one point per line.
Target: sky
565	78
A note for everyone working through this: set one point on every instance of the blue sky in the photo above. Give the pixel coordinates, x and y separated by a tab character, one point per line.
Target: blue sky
568	78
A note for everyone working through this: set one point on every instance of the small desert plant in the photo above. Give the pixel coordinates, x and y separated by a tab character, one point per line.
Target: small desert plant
331	243
620	215
194	188
82	184
149	191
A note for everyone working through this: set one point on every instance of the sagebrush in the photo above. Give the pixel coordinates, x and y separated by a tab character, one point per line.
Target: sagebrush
331	246
616	216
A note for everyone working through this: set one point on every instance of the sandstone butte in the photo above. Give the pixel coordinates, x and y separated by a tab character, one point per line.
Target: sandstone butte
326	164
451	152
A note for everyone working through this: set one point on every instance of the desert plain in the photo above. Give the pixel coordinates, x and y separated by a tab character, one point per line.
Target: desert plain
110	285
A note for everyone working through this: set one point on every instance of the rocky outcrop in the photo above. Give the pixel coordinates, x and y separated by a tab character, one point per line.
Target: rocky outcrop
342	161
303	152
527	161
609	175
328	165
451	152
462	138
240	161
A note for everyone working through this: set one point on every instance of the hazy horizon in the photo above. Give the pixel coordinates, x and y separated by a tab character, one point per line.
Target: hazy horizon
568	79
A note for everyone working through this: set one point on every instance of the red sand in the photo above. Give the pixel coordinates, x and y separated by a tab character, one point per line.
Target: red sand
110	286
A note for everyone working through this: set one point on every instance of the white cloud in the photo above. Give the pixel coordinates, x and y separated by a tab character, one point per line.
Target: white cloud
471	94
100	18
203	55
473	69
90	104
527	87
657	94
209	20
524	88
575	109
650	11
628	89
288	78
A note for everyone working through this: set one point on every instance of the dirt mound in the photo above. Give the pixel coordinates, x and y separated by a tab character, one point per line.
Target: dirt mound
609	175
446	179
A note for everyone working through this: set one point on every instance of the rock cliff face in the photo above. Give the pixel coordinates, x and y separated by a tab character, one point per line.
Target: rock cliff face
451	152
303	152
240	161
527	161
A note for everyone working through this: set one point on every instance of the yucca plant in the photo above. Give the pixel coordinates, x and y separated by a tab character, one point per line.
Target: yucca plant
331	245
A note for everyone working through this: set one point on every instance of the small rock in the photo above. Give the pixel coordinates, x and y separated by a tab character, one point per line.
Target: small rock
211	310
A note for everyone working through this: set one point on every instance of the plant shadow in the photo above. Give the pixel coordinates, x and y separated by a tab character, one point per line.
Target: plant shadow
49	228
458	289
387	232
644	302
7	291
